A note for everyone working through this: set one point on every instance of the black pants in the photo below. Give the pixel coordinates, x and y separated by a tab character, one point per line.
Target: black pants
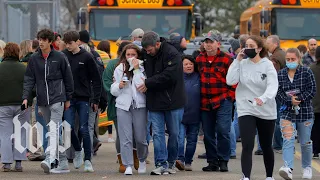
248	126
315	135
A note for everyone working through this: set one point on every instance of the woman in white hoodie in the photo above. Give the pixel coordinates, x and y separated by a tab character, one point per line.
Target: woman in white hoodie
257	85
131	108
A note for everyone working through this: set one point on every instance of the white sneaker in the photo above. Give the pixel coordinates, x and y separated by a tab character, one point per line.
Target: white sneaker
244	178
128	171
142	167
63	167
88	166
111	140
307	173
78	159
269	178
285	173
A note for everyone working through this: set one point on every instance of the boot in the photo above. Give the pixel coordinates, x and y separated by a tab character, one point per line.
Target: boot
122	168
135	159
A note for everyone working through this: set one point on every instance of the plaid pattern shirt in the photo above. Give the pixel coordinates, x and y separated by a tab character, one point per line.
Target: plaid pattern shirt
304	83
307	60
213	71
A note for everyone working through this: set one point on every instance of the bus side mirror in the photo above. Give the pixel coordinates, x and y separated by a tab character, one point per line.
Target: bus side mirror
198	25
265	16
81	17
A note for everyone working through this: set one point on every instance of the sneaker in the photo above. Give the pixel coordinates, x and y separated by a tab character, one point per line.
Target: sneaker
128	171
202	156
18	167
142	167
6	168
180	165
244	178
88	166
269	178
188	167
111	140
170	170
258	152
211	167
285	173
158	171
315	156
307	173
63	167
78	159
46	166
279	151
233	157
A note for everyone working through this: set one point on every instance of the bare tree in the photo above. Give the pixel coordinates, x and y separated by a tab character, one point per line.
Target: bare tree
69	9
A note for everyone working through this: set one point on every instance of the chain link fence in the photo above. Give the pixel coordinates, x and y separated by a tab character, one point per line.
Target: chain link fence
22	19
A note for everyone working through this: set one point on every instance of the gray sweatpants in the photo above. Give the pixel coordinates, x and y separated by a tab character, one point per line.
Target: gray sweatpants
92	121
132	123
54	113
8	152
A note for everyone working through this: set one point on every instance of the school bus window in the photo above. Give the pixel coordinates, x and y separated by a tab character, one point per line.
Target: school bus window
111	21
295	24
137	21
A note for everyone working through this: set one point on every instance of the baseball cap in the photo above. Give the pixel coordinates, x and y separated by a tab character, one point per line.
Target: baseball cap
138	33
213	35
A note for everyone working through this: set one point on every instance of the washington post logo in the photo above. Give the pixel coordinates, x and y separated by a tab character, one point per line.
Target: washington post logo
59	135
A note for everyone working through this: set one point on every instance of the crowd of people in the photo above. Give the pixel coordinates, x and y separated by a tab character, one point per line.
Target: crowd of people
152	89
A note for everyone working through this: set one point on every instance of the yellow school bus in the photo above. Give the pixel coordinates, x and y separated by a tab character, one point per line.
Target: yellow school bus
294	21
111	19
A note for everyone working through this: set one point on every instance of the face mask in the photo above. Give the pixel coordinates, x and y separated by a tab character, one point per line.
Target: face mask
251	53
292	65
165	29
270	54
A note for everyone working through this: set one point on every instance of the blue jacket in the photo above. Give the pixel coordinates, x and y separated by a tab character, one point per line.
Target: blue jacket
192	108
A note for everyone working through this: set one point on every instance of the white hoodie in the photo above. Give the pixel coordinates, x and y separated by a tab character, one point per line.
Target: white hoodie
255	80
129	94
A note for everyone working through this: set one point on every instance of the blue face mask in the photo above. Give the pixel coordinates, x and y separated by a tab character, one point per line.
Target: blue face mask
165	29
292	65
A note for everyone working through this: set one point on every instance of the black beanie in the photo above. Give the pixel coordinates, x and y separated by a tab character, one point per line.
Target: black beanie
84	36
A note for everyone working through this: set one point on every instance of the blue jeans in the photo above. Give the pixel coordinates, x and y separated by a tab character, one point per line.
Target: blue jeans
189	131
217	121
159	120
304	131
82	108
277	137
43	123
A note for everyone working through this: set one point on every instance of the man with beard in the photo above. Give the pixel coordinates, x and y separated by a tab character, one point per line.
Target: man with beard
310	57
165	95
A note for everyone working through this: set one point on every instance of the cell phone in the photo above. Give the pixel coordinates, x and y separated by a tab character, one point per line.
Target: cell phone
23	107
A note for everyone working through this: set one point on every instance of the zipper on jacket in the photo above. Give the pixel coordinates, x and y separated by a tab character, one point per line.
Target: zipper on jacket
168	95
45	77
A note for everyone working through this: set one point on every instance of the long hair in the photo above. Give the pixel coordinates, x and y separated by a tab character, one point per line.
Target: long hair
297	53
123	58
25	48
260	43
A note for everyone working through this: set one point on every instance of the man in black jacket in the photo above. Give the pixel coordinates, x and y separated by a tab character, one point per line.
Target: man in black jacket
50	72
165	94
85	72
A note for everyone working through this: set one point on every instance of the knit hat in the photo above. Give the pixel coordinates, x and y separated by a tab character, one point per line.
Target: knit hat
84	36
235	44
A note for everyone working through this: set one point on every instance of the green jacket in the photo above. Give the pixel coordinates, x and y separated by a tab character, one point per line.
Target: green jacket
107	79
11	82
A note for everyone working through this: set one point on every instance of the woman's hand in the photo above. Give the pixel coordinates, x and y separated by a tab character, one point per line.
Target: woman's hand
135	63
241	55
122	84
294	100
259	101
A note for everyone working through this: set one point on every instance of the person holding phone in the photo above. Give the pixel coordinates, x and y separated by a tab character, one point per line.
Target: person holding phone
297	87
11	83
131	108
256	105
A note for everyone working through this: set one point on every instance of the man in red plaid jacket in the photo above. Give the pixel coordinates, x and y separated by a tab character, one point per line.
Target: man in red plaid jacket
216	102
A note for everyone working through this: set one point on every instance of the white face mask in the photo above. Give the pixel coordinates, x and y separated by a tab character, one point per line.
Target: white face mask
269	53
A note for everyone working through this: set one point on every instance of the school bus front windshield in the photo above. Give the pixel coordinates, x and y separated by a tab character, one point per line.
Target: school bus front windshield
111	24
295	23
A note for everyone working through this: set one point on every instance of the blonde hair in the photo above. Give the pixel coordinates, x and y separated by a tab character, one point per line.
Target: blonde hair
297	53
2	45
25	48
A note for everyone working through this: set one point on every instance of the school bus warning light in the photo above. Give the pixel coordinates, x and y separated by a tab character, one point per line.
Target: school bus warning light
286	2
